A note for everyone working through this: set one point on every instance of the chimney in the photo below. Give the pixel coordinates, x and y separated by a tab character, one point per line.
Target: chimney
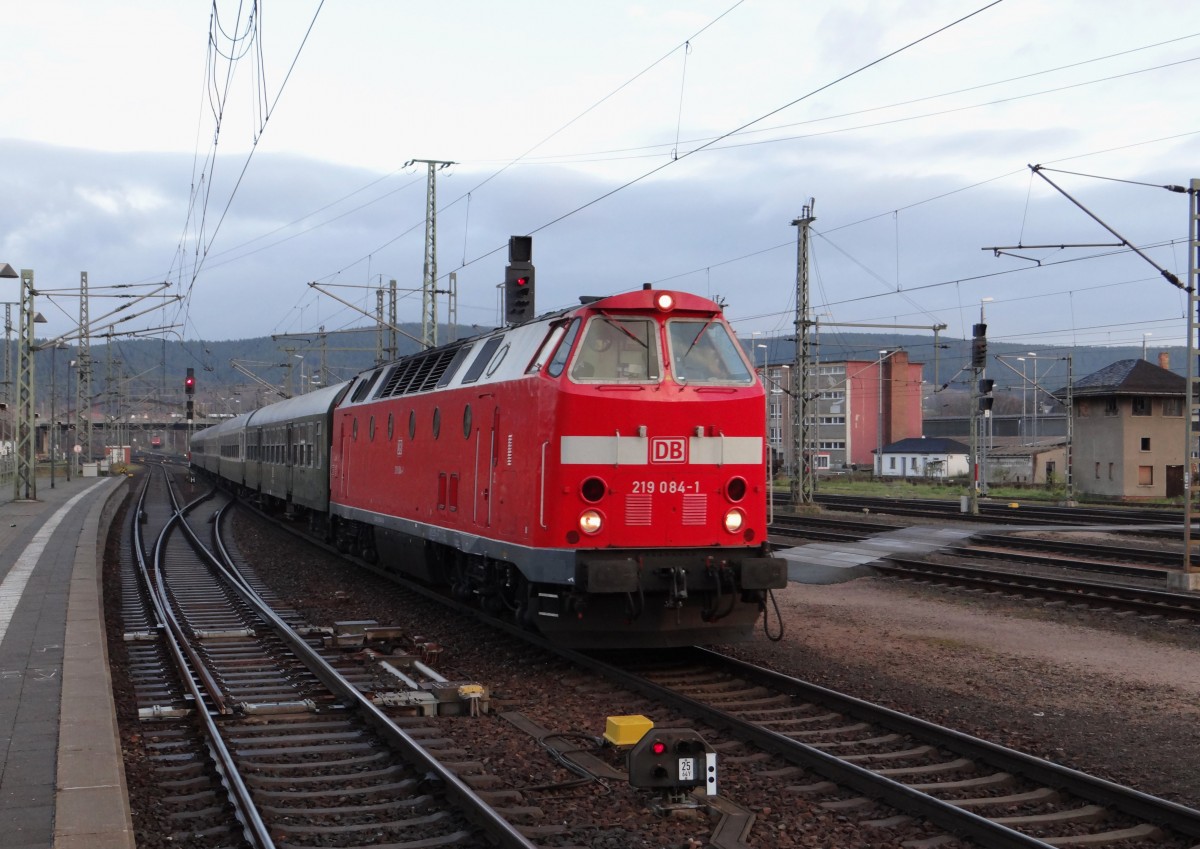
1164	359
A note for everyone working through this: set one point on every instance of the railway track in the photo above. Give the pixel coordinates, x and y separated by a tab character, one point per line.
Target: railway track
1001	511
988	794
1144	601
894	773
290	750
1132	561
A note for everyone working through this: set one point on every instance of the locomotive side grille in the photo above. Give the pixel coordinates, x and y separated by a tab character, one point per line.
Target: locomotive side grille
695	508
398	378
417	373
637	510
437	367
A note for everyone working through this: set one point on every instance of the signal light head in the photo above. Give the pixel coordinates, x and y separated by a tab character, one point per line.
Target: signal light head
658	747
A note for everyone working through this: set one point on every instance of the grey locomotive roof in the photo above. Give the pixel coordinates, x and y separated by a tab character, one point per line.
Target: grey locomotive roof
1128	377
312	404
926	445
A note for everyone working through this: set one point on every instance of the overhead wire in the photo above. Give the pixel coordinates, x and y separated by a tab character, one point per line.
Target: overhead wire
686	45
253	29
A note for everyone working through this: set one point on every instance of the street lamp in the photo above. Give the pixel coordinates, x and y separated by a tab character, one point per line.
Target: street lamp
1021	426
1034	357
7	272
53	407
770	450
883	355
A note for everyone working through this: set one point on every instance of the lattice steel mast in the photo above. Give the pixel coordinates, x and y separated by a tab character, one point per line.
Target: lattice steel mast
803	482
429	320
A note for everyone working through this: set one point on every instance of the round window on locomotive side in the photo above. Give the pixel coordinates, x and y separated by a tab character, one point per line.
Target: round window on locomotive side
467	421
437	422
371	428
497	358
592	490
391	425
354	430
412	424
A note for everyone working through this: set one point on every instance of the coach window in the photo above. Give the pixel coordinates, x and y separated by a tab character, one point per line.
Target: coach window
703	352
437	422
617	350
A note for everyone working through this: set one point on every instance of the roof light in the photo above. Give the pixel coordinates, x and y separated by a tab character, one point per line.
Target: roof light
665	301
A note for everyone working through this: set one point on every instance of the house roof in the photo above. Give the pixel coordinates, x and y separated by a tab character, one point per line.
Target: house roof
1128	377
1018	450
926	445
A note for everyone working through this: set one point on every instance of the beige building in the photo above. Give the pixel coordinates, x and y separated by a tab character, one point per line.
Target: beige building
1129	431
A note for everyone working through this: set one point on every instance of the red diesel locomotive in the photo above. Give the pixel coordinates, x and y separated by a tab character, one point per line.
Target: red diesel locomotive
598	472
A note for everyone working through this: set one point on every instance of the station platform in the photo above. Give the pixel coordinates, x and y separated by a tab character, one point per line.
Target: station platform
62	782
835	562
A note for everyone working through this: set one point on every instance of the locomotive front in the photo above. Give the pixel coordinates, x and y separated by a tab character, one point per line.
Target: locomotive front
660	485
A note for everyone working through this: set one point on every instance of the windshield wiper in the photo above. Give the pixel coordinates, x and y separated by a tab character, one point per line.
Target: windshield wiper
624	329
698	335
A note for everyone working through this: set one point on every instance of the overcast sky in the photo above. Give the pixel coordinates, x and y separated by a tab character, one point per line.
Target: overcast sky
662	142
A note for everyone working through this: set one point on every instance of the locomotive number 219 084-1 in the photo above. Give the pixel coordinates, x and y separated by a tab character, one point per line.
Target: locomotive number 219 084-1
653	487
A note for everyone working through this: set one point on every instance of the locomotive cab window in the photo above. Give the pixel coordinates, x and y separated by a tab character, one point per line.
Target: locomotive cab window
703	353
559	362
548	348
618	350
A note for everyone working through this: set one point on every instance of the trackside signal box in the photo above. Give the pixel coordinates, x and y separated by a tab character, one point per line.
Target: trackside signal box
673	759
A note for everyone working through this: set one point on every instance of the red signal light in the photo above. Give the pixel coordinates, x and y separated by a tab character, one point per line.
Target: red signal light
522	281
658	747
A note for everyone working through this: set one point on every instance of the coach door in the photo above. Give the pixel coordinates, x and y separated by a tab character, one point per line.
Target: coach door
338	453
289	460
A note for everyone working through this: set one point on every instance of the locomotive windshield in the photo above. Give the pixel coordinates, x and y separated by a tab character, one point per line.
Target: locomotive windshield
703	352
618	350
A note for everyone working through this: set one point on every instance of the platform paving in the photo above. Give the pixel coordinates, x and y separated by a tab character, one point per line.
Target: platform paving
61	777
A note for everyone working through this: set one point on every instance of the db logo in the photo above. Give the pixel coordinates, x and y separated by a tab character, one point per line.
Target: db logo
668	449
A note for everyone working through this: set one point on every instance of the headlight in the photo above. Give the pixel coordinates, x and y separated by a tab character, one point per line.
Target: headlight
590	522
735	489
734	520
665	301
